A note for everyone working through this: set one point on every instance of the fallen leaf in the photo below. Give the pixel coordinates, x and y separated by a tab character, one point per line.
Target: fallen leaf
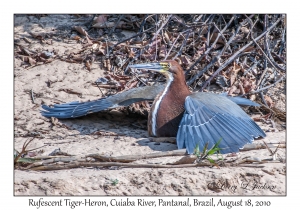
242	91
269	101
133	84
232	90
248	84
100	19
54	120
75	37
167	37
162	51
101	51
214	36
81	30
31	61
95	46
233	73
88	65
78	58
184	60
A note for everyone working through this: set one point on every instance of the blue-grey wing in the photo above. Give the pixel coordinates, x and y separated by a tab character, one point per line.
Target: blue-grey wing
210	117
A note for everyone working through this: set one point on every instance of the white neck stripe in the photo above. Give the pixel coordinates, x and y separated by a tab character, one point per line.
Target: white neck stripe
154	114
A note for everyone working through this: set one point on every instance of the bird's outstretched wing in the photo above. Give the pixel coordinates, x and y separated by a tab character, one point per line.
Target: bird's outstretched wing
75	108
78	109
210	117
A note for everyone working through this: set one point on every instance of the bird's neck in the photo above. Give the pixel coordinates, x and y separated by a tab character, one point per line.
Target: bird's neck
168	108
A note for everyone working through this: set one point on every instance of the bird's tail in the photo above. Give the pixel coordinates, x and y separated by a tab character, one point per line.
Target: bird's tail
75	108
240	101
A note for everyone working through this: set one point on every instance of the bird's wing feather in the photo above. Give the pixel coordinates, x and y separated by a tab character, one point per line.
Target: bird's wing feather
75	109
210	117
78	109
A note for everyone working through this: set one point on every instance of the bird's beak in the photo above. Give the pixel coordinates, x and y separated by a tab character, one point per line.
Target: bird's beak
149	66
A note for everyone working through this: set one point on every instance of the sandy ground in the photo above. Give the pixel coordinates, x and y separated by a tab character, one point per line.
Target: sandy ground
77	140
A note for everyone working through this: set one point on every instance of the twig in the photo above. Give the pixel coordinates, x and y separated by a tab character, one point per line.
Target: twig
24	151
100	89
270	58
282	42
248	147
117	23
109	164
131	158
183	44
32	96
90	23
143	23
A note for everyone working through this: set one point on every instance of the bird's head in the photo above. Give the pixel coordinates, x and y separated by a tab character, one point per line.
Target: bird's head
169	68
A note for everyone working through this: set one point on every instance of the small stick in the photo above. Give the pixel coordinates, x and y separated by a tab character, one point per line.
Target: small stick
100	89
32	96
131	158
117	23
109	164
248	147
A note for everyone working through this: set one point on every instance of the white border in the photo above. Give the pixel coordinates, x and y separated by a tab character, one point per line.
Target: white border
153	6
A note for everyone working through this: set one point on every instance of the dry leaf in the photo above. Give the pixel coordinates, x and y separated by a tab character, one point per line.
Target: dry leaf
214	36
162	51
248	84
253	97
54	120
81	30
167	37
233	73
88	65
133	84
101	51
78	58
232	90
269	101
31	61
131	54
75	37
95	46
242	91
100	19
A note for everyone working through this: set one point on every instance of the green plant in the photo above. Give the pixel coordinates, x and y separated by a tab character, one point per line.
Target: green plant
114	182
206	153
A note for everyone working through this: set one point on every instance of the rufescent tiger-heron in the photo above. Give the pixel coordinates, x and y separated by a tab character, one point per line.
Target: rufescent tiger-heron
194	118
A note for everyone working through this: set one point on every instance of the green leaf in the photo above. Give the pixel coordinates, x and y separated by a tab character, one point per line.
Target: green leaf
197	151
26	160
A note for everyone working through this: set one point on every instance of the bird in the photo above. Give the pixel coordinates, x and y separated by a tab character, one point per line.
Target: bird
198	120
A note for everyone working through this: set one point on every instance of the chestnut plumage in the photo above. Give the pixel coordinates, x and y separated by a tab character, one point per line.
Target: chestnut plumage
198	118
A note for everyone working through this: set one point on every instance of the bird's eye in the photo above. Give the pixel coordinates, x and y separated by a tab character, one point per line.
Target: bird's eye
169	65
